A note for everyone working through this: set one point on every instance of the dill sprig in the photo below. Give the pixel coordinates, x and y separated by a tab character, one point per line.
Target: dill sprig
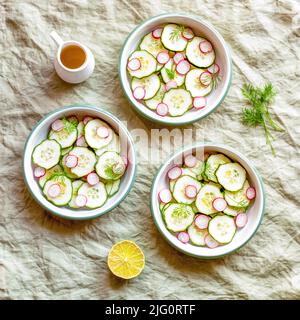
177	32
171	72
69	126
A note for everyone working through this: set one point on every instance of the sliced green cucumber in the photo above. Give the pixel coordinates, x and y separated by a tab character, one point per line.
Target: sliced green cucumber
233	211
212	164
153	102
67	171
151	84
198	169
86	161
231	176
178	217
222	228
49	173
152	45
178	101
66	150
168	73
96	195
189	172
114	145
80	129
46	154
206	196
193	84
148	64
172	38
197	235
91	136
65	137
106	163
75	185
179	189
112	187
238	199
66	190
196	57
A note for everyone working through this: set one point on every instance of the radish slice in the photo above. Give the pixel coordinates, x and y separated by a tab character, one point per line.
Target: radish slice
214	69
190	191
86	120
190	161
39	172
54	190
165	196
102	132
57	125
178	57
183	67
250	193
156	34
174	173
162	109
241	220
171	84
188	34
134	64
210	242
205	46
92	178
71	161
183	237
125	160
139	93
163	57
80	142
199	102
201	221
219	204
205	78
81	200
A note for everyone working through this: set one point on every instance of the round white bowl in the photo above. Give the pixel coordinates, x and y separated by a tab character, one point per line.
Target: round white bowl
255	211
200	27
39	133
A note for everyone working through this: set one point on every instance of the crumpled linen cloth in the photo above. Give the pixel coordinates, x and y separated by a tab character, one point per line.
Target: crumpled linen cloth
43	257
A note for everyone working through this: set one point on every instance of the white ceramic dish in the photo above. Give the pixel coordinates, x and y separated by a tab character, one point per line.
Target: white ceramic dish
200	27
39	133
242	236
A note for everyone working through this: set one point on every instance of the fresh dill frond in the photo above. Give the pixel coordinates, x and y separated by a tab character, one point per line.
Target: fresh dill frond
170	73
177	32
69	126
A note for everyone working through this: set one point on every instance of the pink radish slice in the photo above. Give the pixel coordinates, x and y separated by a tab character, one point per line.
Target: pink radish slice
81	200
205	46
139	93
178	57
86	120
171	84
190	191
241	220
201	221
183	237
162	109
102	132
125	160
71	161
80	142
183	67
188	34
39	172
92	178
57	125
54	190
165	196
205	78
210	242
174	173
190	161
156	34
199	102
214	69
250	193
134	64
163	57
219	204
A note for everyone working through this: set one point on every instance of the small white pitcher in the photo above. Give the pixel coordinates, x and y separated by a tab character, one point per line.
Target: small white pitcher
79	74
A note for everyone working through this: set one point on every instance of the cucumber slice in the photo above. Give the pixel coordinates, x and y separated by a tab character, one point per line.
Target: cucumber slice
178	217
66	150
106	163
66	190
172	39
179	189
148	64
206	196
152	45
222	228
238	199
67	171
168	73
196	57
91	136
75	185
198	169
86	161
193	84
80	129
151	84
178	101
233	211
49	173
65	137
153	102
189	172
112	187
197	235
114	145
212	164
96	195
46	154
231	176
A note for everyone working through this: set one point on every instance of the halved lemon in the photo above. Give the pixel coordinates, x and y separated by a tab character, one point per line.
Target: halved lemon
126	260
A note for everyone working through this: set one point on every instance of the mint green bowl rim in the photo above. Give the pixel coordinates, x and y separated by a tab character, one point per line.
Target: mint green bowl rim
178	123
203	145
79	107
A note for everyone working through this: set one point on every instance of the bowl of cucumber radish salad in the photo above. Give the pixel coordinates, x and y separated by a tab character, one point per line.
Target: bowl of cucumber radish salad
207	200
79	162
175	69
